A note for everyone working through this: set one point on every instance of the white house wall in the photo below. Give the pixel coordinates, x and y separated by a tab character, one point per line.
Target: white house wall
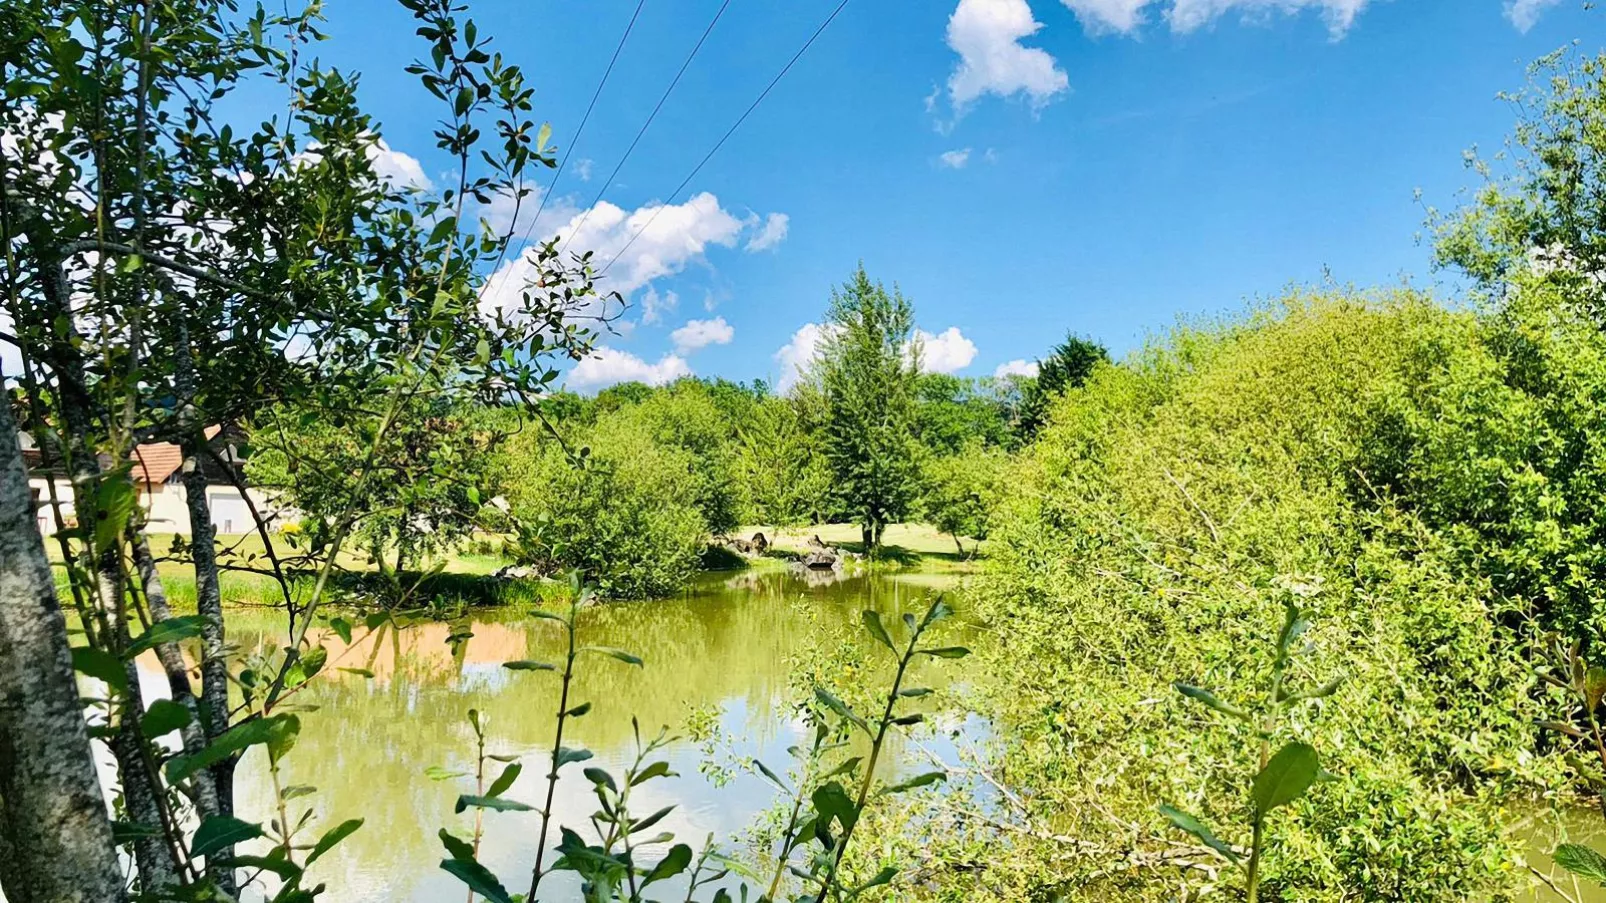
167	510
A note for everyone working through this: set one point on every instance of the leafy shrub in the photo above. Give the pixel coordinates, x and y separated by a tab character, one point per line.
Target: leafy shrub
623	517
1143	539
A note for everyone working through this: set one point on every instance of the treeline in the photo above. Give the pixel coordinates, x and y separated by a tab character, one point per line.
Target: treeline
630	485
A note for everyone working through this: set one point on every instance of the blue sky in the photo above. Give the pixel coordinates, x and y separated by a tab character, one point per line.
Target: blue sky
1020	168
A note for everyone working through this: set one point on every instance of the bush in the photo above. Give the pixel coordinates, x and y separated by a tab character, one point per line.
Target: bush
624	518
1142	539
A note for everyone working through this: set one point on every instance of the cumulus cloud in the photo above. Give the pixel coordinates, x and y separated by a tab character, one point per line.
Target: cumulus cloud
1016	367
582	168
399	169
1128	16
954	159
654	304
946	352
1524	13
797	355
607	366
1099	16
698	334
771	234
672	237
992	60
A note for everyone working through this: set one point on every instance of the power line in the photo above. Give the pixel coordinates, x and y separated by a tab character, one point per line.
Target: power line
728	132
618	48
607	183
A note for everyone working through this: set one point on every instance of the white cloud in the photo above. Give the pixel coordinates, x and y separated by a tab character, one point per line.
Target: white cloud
1524	13
607	366
954	159
1127	16
582	168
772	234
505	205
399	169
797	355
655	304
946	352
1098	16
1016	367
669	241
1188	15
986	34
698	334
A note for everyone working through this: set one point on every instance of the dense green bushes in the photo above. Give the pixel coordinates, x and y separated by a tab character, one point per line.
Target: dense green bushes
622	515
1396	460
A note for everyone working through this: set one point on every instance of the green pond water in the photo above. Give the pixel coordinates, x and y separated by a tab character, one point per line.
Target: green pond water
730	645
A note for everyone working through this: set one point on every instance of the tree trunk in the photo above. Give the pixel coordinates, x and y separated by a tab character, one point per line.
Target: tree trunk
157	862
958	545
214	652
55	837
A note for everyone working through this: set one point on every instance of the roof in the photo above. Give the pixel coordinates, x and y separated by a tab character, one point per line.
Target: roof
154	462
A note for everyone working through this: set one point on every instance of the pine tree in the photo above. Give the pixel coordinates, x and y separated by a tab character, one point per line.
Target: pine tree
868	367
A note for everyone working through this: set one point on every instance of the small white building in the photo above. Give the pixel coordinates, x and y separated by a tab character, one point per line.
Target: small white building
158	475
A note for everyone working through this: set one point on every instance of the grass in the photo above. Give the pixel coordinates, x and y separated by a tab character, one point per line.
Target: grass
465	579
919	547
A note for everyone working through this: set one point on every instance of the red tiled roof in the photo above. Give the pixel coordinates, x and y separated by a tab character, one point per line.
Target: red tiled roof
154	462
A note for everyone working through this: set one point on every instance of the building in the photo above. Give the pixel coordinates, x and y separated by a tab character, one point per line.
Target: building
158	476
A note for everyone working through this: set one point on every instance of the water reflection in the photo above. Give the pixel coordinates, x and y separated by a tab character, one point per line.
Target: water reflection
730	642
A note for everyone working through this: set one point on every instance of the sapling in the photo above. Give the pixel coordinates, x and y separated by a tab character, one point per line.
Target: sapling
1282	776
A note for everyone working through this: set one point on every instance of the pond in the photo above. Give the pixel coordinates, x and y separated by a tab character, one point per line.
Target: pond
727	651
727	646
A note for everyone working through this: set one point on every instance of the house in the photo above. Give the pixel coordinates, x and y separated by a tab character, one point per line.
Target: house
158	476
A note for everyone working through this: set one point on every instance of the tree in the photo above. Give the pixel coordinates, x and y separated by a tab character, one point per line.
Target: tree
953	410
164	271
868	366
1546	214
780	465
1067	366
961	491
55	838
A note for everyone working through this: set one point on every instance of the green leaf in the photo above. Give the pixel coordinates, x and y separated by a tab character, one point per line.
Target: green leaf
456	846
342	629
567	755
612	652
914	692
485	802
169	631
101	665
234	740
1197	828
940	610
945	652
601	778
930	777
884	876
478	878
1582	861
284	868
649	821
542	136
832	802
872	623
333	836
360	672
838	706
164	717
221	831
440	773
527	665
655	770
1286	777
579	710
1211	700
505	780
114	503
673	863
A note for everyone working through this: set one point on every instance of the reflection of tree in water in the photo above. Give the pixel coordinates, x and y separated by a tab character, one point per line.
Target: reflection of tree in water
368	743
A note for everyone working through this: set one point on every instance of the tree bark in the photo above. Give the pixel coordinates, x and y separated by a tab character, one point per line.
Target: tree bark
55	837
157	861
